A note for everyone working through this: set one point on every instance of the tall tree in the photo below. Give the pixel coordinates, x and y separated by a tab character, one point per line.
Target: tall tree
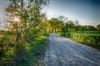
56	25
70	25
27	12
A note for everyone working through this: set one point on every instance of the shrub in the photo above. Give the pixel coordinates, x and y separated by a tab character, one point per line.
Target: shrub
88	38
7	46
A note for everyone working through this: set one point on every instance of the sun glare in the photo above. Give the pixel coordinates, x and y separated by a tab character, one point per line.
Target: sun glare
16	19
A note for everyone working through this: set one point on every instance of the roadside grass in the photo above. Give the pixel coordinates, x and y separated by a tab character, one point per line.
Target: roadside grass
90	38
96	46
26	54
33	53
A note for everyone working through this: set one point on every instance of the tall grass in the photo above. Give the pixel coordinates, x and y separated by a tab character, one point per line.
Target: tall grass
22	54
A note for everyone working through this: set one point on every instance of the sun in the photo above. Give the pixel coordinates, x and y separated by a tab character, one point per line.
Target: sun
17	19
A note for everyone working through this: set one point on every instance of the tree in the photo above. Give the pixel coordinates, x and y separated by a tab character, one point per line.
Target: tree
56	25
28	12
70	25
25	22
91	28
98	27
81	28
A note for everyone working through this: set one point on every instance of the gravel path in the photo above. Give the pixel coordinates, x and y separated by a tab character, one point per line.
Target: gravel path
64	52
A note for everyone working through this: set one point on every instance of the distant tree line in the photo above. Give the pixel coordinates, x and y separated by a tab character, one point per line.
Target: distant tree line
61	25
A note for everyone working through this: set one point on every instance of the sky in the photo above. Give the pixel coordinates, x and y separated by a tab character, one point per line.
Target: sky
3	5
86	11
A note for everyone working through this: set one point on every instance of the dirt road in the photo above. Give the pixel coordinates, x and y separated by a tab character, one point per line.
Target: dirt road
64	52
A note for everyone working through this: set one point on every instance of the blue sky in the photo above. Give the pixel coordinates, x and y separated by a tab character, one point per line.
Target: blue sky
86	11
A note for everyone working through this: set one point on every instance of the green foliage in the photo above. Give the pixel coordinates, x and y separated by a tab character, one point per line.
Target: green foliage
66	34
24	39
7	46
56	25
86	28
32	52
24	31
98	27
88	38
70	25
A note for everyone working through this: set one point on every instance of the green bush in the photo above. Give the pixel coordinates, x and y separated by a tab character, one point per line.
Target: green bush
66	34
7	46
33	52
88	38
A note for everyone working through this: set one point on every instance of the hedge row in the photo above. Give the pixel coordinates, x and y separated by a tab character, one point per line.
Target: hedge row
86	38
